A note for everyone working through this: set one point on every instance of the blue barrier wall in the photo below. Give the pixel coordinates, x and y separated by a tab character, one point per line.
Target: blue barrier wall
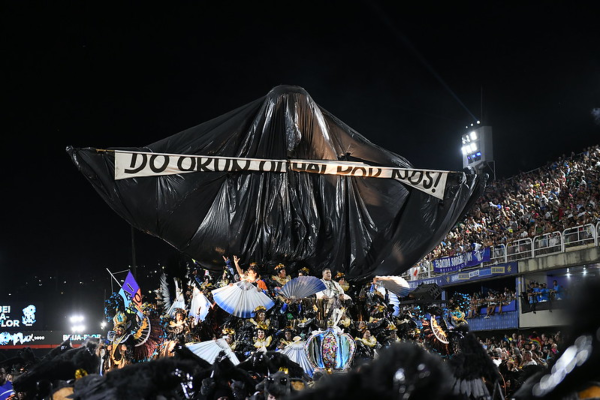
510	320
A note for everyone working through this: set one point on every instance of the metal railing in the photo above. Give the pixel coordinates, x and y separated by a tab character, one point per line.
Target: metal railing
579	236
520	249
550	243
498	255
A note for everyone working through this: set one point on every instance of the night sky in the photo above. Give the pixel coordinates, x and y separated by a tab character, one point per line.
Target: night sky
408	78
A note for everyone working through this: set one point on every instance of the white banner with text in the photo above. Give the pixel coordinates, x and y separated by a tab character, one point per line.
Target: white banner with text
142	164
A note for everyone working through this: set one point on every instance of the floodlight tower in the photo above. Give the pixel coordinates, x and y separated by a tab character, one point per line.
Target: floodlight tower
478	148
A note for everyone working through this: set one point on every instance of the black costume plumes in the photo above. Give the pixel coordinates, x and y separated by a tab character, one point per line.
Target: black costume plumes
168	377
404	371
62	365
473	371
577	367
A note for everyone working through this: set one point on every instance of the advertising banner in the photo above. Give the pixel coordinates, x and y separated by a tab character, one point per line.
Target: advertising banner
41	339
460	261
19	315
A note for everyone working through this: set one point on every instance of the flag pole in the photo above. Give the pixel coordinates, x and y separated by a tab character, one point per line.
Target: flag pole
116	280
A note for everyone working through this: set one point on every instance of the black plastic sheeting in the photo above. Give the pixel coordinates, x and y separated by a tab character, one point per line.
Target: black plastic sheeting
360	226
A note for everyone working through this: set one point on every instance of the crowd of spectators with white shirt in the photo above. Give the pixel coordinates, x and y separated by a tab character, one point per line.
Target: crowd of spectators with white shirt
560	195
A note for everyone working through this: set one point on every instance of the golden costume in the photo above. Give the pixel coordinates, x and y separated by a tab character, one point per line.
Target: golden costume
370	342
281	281
264	342
260	324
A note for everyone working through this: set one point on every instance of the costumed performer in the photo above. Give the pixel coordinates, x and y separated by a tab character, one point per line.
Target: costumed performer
331	298
281	277
261	321
261	341
251	275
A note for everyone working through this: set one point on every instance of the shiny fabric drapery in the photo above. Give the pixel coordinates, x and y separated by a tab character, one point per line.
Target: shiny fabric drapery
360	226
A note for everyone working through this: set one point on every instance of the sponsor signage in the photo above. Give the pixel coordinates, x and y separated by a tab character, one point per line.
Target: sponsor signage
473	275
460	261
41	338
19	316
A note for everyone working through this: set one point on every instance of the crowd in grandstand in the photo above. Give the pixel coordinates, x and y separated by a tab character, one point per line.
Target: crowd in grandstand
493	302
560	195
518	356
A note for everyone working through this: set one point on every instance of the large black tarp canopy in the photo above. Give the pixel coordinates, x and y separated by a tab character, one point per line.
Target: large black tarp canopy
361	226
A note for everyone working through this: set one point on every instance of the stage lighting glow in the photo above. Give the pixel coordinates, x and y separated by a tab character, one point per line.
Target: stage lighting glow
473	146
77	323
464	150
473	135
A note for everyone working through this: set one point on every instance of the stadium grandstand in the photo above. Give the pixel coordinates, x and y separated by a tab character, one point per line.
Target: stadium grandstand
528	242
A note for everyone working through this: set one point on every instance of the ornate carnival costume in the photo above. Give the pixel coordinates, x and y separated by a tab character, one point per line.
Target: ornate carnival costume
280	277
296	352
330	350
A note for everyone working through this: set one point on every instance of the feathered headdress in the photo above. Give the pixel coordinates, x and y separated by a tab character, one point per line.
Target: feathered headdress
228	331
260	308
304	270
120	320
279	267
262	326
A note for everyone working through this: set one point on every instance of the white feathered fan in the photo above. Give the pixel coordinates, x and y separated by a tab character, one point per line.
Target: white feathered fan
396	303
301	287
210	349
241	299
394	284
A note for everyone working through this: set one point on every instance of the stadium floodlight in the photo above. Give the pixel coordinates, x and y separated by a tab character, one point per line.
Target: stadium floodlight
478	145
78	328
77	323
103	324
